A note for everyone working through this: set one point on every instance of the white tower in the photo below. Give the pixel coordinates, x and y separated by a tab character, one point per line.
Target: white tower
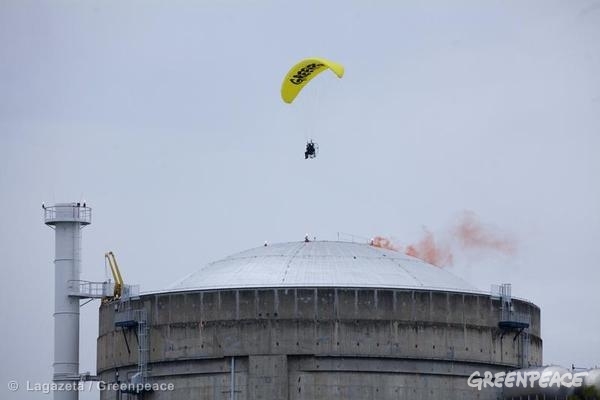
67	220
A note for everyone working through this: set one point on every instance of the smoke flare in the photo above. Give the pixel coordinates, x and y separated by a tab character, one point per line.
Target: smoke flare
468	234
428	250
384	243
472	234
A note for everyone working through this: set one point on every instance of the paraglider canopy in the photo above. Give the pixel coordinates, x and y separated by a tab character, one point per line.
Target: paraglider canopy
303	72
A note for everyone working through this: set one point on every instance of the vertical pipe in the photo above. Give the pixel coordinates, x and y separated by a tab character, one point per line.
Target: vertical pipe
67	220
66	308
232	397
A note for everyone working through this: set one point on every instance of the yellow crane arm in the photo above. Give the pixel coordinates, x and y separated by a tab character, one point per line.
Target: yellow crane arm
114	268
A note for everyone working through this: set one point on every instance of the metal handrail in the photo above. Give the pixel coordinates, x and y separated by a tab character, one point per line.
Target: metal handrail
138	315
130	291
89	289
508	315
71	212
323	286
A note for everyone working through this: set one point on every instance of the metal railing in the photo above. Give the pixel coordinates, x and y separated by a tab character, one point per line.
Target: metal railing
502	291
91	290
68	212
351	237
521	317
130	292
130	316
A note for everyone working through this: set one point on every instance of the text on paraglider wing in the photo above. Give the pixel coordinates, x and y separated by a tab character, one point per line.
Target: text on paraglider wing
304	73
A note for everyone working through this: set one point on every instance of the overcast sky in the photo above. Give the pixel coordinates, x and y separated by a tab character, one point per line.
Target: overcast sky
165	117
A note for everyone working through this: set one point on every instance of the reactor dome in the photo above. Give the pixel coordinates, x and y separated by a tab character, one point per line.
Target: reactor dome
321	264
316	320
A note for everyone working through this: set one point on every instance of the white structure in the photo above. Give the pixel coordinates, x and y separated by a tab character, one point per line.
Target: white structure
67	220
321	264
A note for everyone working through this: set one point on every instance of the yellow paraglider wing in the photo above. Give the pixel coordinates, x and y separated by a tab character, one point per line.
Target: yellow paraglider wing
303	72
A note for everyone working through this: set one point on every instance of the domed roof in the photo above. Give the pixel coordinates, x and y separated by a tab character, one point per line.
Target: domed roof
320	264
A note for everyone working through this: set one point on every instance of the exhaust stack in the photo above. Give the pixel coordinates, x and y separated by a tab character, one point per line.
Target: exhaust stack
67	220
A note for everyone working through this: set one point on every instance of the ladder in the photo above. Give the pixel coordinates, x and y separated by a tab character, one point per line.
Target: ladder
129	318
143	345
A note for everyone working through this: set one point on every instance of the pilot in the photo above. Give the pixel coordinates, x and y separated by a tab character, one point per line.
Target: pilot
310	150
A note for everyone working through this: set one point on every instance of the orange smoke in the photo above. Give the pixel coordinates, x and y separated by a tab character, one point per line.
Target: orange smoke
428	250
467	235
472	234
384	243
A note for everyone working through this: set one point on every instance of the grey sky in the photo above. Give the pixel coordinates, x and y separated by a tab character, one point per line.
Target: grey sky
166	118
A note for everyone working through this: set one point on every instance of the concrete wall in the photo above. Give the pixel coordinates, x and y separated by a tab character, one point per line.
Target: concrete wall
321	343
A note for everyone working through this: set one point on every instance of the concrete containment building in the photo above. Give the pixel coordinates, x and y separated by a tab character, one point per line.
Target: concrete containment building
316	320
